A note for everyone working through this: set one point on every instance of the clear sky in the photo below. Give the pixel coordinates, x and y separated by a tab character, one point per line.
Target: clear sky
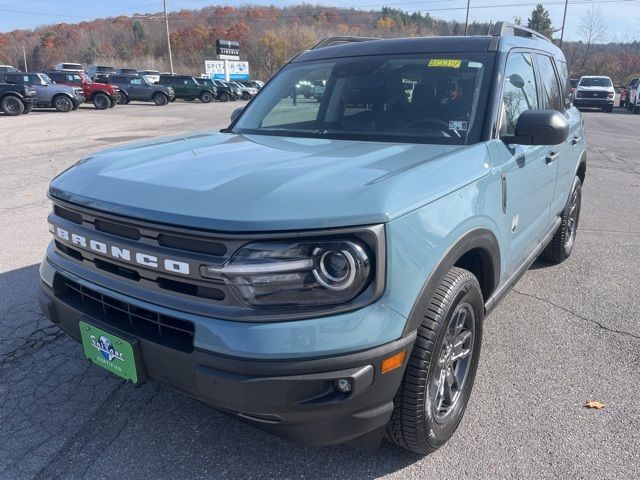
620	15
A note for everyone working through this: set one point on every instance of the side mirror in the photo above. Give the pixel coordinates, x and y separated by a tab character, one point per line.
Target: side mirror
236	113
539	127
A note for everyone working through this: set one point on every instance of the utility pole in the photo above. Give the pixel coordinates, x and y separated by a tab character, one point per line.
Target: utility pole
564	17
24	56
466	21
166	26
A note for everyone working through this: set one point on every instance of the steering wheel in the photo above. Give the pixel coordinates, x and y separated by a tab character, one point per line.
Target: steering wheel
442	125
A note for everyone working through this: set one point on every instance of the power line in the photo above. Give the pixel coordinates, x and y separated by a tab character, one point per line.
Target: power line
245	15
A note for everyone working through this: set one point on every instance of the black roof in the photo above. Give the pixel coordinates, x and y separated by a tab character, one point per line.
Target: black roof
400	45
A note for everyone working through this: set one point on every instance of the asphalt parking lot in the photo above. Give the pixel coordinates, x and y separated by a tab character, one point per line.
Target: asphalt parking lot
565	335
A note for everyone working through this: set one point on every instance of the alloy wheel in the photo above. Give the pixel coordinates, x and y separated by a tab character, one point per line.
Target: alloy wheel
454	362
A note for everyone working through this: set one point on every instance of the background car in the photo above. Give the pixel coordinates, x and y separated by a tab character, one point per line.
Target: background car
246	93
595	91
225	92
8	68
632	92
69	67
135	88
102	95
150	76
188	88
49	95
95	70
17	99
126	71
624	97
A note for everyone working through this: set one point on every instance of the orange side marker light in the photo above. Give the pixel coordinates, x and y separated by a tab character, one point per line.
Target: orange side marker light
393	362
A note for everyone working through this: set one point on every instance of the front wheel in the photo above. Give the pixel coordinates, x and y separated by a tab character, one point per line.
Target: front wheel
245	96
27	108
160	99
437	383
11	105
206	97
62	103
122	98
561	245
223	97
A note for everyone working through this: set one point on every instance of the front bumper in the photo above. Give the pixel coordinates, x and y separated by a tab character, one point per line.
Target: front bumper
294	399
593	102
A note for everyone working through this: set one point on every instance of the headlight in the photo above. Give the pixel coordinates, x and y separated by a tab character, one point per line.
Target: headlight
301	273
611	94
578	93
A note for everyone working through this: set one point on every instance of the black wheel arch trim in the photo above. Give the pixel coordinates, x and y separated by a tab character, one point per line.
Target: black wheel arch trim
582	165
478	238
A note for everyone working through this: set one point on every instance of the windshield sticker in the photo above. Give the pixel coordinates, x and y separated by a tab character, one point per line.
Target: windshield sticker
444	62
458	125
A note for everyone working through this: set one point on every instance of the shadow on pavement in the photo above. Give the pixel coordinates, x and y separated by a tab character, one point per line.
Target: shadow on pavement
103	424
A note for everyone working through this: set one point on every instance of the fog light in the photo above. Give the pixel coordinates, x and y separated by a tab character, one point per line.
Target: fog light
343	385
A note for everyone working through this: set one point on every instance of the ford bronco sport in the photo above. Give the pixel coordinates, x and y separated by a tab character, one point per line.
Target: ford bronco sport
322	270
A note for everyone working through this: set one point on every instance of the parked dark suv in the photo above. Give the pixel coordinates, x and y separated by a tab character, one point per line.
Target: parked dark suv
17	99
187	88
133	87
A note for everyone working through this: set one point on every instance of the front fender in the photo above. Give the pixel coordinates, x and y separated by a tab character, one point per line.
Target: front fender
423	245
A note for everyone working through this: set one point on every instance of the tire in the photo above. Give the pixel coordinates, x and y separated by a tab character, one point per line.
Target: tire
112	103
62	103
12	106
246	96
423	420
101	101
160	99
223	97
206	97
561	245
609	109
122	98
27	109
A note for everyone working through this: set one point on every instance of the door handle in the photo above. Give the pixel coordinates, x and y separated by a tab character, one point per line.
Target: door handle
575	140
551	157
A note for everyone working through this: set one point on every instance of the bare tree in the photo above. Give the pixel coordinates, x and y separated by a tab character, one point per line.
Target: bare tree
593	30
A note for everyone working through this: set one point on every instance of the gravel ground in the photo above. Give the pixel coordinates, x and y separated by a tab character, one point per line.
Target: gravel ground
565	335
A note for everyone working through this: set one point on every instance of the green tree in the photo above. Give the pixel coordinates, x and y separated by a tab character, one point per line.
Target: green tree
540	21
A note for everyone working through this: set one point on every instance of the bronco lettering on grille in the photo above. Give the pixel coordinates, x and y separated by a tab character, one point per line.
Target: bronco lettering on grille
123	254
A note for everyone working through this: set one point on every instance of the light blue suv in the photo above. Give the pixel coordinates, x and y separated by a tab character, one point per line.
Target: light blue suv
322	269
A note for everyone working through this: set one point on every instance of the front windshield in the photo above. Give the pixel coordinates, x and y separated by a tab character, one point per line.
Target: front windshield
42	77
595	82
417	98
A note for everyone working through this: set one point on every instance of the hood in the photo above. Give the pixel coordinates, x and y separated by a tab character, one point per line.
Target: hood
238	183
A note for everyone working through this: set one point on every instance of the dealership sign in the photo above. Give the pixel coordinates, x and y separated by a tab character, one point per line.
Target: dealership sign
227	47
227	69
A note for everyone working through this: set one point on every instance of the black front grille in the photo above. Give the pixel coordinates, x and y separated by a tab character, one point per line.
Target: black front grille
192	244
594	94
117	229
68	214
139	322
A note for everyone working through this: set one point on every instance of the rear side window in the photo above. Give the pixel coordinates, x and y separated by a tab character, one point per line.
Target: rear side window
550	89
519	92
565	85
119	79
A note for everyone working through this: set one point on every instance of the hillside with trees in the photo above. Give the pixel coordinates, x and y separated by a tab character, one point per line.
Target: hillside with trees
270	36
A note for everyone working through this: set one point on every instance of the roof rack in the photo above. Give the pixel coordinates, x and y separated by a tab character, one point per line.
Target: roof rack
501	29
331	41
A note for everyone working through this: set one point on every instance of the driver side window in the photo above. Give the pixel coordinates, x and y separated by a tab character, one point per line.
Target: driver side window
519	92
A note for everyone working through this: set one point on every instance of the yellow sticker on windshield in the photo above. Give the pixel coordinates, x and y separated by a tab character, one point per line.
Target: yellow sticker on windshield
444	62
